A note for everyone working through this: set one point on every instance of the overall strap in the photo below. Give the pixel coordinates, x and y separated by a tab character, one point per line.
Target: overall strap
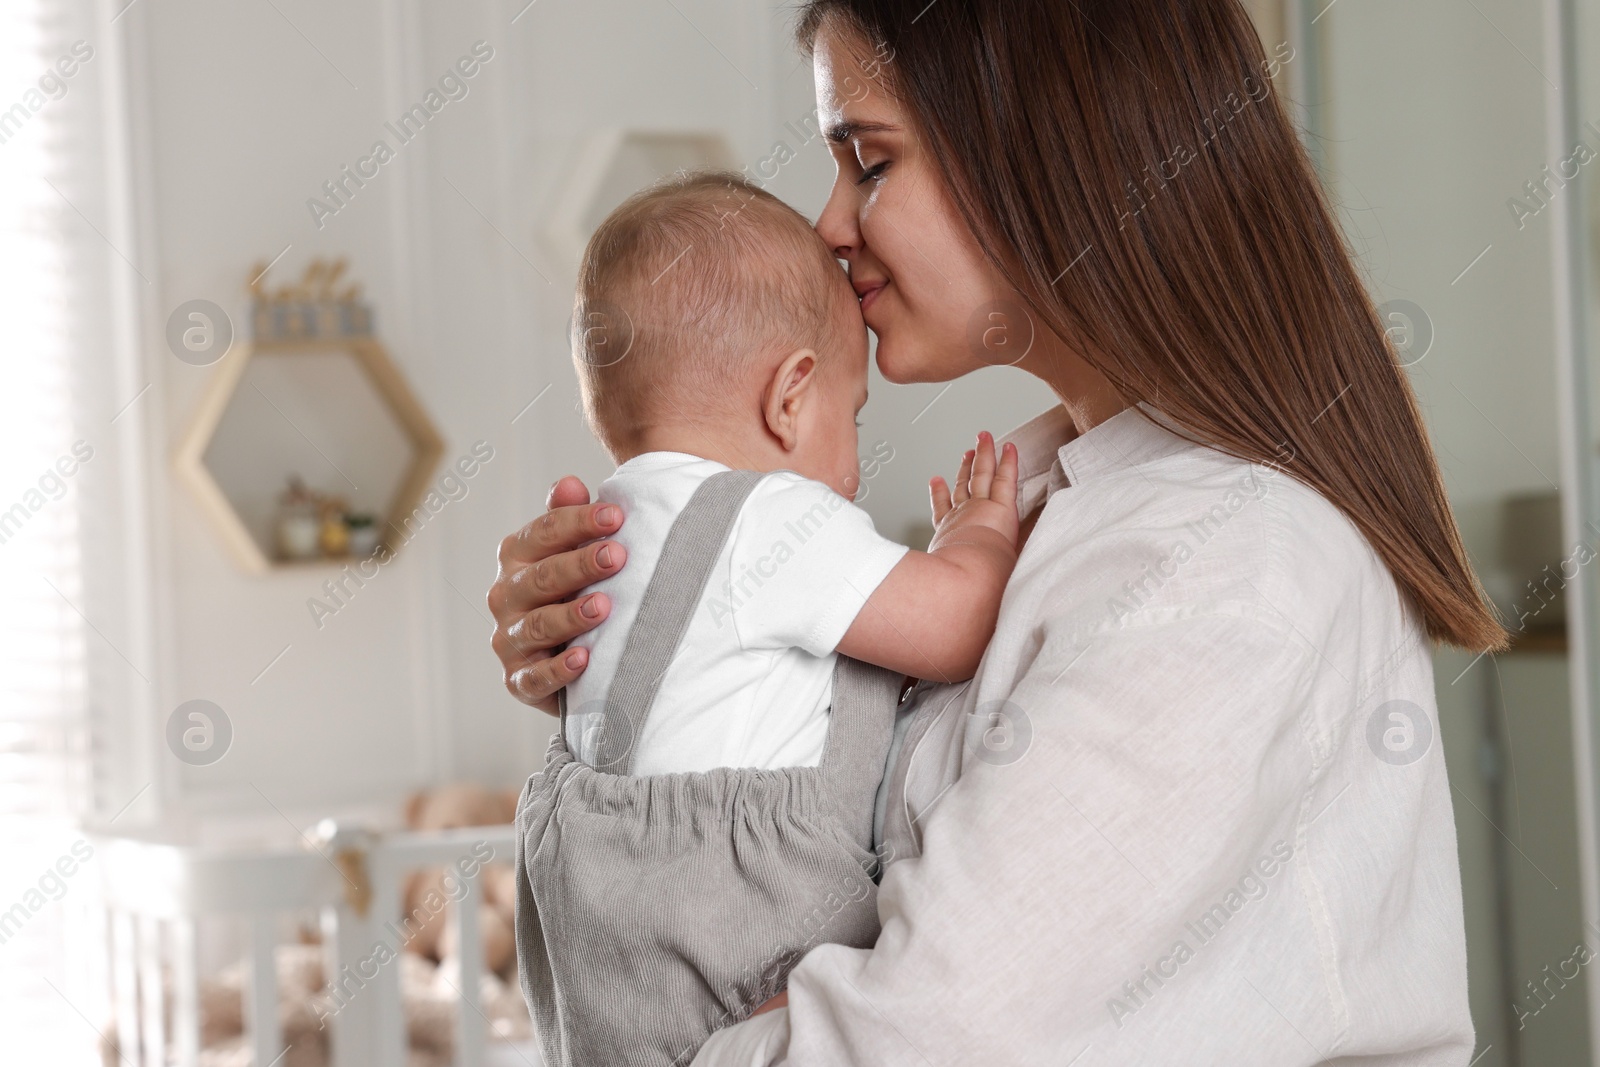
860	729
690	551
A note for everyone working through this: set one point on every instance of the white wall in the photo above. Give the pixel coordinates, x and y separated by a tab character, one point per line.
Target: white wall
246	120
1432	117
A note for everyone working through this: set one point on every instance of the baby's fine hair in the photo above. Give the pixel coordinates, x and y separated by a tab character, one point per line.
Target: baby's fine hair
687	289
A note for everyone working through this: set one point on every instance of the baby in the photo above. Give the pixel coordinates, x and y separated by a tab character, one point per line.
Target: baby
705	814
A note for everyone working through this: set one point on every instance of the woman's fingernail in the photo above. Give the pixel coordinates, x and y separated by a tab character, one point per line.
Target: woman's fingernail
603	557
573	660
590	608
606	516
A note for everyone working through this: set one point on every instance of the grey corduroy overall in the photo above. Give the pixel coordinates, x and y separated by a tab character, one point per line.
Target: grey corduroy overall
654	910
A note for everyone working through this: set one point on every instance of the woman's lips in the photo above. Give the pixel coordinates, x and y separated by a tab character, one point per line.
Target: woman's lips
870	294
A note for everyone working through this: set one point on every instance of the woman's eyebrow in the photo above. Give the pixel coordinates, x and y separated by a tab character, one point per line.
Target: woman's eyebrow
840	132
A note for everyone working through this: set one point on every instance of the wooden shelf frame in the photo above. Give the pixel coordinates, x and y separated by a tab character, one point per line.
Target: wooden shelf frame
427	446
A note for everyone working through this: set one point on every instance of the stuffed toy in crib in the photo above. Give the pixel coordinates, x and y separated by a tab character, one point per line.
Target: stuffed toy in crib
454	807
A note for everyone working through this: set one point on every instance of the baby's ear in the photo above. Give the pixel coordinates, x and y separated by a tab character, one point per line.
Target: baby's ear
787	393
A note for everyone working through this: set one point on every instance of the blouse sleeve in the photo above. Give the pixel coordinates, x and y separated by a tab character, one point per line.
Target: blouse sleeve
1109	888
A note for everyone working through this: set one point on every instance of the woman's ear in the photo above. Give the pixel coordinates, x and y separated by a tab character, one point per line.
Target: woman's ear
787	393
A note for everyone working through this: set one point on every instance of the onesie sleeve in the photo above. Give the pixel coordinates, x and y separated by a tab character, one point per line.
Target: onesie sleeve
803	562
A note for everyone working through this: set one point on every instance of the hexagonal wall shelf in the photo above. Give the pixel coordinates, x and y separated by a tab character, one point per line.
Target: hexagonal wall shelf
614	164
314	399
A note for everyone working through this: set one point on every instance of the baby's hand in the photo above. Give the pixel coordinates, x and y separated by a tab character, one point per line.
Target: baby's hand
934	614
985	495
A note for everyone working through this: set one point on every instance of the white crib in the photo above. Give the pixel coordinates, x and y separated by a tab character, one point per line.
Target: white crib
154	895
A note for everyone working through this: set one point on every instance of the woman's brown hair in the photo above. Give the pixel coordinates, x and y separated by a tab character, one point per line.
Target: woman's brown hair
1145	144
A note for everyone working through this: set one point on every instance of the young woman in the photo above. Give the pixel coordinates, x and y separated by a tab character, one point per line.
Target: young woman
1190	810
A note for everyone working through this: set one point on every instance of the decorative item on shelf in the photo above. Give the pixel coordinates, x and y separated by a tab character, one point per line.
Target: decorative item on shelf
297	521
315	309
363	533
333	534
313	393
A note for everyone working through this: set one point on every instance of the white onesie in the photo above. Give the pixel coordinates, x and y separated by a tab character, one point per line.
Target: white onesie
752	680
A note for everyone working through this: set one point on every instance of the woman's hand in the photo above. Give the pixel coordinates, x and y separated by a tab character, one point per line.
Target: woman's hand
541	566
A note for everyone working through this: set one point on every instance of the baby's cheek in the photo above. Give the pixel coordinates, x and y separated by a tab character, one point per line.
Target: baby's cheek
850	476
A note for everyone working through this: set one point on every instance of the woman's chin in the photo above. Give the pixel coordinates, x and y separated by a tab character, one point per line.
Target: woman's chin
901	368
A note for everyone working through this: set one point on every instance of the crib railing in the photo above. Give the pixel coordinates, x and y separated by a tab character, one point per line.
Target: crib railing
155	894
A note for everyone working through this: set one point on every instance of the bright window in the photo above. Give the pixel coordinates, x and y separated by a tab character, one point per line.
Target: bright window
44	1012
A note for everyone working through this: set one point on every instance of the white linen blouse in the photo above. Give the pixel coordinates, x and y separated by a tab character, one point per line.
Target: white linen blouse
1191	810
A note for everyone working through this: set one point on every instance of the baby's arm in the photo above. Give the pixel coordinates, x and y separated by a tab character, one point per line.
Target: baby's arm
932	617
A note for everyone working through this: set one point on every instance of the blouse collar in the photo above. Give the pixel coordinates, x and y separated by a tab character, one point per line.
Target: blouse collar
1051	455
1131	438
1038	470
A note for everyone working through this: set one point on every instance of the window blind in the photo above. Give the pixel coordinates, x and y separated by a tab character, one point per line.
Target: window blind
43	654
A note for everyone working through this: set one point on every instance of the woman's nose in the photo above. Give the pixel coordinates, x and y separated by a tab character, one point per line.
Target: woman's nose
839	225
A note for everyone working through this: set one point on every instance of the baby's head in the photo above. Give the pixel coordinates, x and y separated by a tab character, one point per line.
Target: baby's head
711	319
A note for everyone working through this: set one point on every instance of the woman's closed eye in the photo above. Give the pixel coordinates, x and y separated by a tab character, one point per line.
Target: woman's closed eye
872	173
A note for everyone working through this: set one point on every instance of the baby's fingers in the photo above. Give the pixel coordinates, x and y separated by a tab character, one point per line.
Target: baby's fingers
939	496
1004	488
964	479
983	465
